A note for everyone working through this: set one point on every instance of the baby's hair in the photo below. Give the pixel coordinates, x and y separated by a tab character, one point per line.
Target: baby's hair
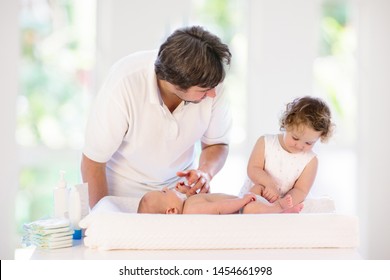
309	111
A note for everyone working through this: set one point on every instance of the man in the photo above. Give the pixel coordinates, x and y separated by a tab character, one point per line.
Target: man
152	110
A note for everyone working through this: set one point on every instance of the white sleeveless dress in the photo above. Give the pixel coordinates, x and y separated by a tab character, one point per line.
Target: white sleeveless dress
283	166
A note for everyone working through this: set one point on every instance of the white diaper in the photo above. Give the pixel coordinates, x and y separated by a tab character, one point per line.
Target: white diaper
246	187
51	233
261	199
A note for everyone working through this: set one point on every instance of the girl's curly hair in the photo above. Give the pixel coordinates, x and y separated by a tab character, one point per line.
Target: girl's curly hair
310	111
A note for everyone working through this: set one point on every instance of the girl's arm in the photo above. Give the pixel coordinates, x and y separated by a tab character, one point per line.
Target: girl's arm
258	175
304	183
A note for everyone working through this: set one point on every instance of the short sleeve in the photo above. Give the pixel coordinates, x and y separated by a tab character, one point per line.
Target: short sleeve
107	124
220	125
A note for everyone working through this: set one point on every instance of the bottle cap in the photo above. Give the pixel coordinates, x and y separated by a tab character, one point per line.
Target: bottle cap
77	234
61	183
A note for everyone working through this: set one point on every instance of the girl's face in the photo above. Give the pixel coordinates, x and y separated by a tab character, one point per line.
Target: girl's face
300	139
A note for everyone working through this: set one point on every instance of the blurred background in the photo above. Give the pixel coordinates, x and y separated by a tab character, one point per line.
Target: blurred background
56	53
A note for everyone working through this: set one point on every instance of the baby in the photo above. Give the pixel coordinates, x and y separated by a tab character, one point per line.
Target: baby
172	201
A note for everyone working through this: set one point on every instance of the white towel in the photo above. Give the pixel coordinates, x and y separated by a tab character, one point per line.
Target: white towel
109	230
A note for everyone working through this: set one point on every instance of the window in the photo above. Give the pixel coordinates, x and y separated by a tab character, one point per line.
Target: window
335	67
334	72
227	19
57	56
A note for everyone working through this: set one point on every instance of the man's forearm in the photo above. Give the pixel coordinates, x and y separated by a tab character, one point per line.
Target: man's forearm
94	173
213	158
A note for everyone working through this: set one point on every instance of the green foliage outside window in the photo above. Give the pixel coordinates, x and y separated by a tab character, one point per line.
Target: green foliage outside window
335	68
56	75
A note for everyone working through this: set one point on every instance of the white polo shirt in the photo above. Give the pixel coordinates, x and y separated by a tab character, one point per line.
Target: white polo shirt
142	142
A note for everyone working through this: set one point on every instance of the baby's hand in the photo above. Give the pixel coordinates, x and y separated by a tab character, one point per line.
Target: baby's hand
183	188
249	197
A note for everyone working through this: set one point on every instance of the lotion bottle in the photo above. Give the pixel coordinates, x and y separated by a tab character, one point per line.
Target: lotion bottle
61	197
78	207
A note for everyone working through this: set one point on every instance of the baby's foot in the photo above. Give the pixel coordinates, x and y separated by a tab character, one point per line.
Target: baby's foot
295	209
286	202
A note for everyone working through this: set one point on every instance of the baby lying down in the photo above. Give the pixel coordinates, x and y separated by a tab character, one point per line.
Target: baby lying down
172	201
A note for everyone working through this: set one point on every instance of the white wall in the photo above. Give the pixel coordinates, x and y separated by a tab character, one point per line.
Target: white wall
282	47
9	57
127	26
283	39
373	120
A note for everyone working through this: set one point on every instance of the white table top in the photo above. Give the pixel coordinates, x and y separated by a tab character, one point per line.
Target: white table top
80	252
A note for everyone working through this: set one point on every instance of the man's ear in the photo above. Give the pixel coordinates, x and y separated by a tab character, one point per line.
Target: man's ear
172	210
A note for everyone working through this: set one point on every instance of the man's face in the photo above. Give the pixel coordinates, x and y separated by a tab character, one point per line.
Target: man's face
194	94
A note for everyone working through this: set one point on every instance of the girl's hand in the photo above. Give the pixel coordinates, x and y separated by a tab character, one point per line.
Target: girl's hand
270	193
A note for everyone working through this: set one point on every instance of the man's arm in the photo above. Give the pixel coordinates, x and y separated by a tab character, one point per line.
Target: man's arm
94	173
213	158
211	161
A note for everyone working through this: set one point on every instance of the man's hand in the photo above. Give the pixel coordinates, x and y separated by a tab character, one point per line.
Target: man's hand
197	180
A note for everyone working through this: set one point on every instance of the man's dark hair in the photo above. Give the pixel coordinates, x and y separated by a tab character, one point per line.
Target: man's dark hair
192	56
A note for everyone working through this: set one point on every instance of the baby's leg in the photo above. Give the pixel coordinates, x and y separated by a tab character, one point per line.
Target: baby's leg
270	195
283	205
257	189
258	207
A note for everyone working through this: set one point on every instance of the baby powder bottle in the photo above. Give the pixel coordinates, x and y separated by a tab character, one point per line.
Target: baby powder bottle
61	193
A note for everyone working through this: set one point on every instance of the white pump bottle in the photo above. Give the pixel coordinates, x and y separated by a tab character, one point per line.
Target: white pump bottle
61	197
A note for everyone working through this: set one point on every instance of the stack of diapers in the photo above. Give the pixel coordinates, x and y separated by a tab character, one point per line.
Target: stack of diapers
52	233
317	227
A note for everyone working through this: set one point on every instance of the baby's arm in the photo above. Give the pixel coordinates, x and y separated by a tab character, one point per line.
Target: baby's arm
183	188
265	185
304	183
221	206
